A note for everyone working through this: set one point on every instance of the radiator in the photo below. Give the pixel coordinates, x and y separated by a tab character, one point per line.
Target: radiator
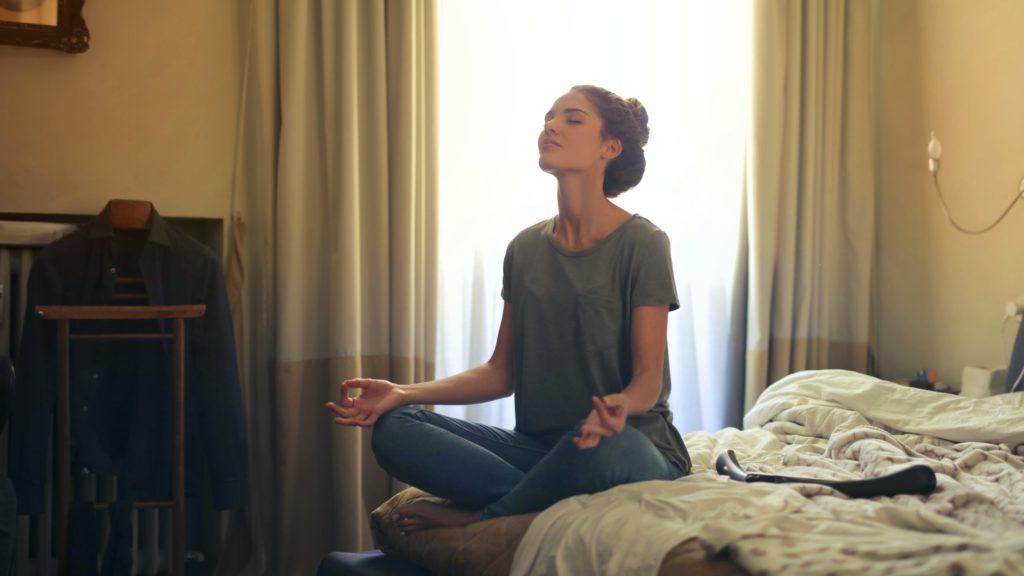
34	553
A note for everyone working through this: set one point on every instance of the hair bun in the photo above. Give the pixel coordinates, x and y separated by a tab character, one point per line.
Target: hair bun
625	119
639	114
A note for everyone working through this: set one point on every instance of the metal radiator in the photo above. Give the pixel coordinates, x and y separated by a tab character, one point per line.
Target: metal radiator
34	549
19	242
33	533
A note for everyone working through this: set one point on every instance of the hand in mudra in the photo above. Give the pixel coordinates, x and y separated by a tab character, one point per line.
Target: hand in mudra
378	397
607	419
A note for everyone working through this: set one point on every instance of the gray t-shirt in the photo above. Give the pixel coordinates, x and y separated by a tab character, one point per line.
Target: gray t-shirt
571	317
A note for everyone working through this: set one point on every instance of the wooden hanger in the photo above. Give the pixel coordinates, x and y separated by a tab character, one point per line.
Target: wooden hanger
130	214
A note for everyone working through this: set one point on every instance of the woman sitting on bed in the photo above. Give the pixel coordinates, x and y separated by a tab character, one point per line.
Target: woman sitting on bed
582	344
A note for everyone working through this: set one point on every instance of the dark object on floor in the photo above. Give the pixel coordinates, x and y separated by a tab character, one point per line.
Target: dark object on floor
917	479
372	563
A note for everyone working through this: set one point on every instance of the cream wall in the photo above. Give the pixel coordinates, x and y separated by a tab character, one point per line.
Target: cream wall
955	66
148	112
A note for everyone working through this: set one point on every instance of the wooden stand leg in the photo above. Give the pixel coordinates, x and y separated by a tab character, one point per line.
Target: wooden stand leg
179	446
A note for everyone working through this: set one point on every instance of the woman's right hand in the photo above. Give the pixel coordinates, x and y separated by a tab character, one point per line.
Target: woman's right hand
378	397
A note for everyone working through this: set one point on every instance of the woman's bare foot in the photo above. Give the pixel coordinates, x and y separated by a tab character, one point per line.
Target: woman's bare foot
422	515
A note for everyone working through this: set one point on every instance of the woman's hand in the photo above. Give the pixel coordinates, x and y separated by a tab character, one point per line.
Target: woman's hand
378	397
607	419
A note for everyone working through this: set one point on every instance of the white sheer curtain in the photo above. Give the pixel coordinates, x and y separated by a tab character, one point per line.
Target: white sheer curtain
501	66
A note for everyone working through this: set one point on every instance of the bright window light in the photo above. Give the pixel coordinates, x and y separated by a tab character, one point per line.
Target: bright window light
502	65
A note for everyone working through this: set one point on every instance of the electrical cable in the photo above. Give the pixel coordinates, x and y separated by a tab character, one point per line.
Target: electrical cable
1017	383
1006	319
1002	334
942	201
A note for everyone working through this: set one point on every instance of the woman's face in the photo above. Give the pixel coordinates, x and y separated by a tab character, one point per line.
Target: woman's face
571	139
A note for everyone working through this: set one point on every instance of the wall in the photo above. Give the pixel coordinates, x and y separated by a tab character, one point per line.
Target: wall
148	112
955	66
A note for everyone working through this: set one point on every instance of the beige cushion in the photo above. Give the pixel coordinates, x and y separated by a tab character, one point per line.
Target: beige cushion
481	549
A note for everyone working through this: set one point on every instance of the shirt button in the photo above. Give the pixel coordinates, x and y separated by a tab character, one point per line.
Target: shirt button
113	270
85	409
95	376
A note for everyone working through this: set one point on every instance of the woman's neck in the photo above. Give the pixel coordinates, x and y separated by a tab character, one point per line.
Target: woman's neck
585	214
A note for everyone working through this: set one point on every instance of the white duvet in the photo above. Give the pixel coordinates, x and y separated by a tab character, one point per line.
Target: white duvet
825	424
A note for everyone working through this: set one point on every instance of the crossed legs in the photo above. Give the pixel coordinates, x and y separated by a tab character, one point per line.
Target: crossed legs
488	471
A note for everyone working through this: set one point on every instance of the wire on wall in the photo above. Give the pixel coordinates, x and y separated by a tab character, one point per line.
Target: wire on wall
934	153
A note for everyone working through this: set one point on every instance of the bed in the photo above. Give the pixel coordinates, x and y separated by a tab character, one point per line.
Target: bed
829	424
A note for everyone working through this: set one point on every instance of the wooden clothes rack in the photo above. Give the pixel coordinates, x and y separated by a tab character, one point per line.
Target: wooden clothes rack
177	314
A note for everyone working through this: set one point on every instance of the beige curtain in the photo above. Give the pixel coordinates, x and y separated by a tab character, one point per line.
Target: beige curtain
811	189
332	262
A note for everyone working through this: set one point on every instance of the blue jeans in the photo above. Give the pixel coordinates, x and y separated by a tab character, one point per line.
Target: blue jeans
505	472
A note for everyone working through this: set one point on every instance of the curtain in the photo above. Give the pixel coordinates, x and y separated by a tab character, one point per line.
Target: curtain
331	265
811	190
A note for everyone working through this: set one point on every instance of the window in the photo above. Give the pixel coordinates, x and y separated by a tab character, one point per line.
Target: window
502	64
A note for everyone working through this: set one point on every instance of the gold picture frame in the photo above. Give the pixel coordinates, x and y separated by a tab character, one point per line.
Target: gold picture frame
56	24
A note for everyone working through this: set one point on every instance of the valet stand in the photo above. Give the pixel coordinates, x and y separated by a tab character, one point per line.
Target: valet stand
63	315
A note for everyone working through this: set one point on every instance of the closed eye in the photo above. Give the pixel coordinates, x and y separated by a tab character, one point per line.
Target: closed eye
574	117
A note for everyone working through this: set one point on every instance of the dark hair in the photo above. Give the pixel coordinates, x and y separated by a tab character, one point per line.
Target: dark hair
625	119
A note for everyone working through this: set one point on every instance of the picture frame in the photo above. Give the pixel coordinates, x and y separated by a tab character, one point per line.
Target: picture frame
54	24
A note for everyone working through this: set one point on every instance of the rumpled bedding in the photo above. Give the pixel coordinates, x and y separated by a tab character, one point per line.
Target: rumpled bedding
821	424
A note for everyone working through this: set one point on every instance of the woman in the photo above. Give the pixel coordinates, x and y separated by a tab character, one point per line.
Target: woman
581	343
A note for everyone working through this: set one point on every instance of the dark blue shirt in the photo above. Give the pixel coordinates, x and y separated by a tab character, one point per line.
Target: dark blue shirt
120	391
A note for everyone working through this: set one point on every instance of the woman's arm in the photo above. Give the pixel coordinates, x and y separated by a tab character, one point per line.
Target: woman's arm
648	334
490	380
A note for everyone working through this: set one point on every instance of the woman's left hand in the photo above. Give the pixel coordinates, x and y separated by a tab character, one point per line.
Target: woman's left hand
607	419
